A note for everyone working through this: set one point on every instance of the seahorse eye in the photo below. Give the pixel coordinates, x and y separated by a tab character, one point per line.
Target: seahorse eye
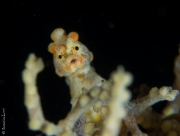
76	48
60	56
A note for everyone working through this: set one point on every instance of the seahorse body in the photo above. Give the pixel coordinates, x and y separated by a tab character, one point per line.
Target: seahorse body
72	59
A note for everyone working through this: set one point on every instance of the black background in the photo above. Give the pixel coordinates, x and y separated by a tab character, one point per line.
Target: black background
143	37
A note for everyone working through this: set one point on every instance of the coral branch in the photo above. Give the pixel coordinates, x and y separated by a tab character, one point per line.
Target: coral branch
136	107
119	95
177	72
174	107
32	100
155	95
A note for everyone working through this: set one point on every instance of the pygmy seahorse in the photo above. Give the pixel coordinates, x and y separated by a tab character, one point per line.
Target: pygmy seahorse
72	59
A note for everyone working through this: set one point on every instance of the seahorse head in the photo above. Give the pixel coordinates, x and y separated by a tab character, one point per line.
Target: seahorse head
69	54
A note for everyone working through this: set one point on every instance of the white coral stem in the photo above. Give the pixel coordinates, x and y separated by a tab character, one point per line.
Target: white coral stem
120	95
